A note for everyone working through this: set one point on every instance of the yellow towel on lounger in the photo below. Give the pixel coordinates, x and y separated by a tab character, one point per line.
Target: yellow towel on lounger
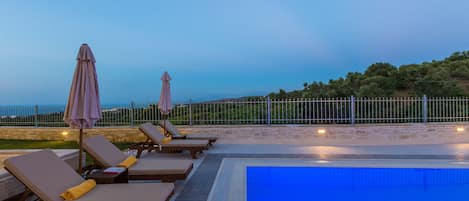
128	162
166	140
76	192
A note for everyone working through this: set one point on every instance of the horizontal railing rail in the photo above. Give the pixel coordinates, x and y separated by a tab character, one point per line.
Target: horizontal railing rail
340	110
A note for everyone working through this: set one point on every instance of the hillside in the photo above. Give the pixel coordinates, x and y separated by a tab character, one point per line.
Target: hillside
447	77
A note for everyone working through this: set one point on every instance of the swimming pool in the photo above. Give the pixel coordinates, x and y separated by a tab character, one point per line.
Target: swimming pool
356	184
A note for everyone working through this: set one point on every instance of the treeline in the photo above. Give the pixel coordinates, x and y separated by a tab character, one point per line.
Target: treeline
447	77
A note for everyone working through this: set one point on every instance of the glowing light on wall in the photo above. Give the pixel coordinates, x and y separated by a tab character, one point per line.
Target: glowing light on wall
65	133
460	129
321	131
322	161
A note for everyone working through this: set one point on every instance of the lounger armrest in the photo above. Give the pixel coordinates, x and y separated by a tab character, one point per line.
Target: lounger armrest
140	145
180	137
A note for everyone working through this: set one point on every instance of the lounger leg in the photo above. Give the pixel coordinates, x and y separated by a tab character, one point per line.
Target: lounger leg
194	154
25	195
139	152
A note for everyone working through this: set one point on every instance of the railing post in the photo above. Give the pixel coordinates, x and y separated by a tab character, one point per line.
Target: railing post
36	116
269	110
424	109
132	112
352	110
190	112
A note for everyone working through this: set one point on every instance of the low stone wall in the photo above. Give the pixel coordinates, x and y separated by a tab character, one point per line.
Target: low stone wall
116	134
361	134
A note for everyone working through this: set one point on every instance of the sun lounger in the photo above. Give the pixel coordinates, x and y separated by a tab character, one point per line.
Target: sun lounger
106	155
47	176
155	142
171	129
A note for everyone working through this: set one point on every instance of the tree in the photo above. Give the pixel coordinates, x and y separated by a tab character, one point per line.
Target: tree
282	93
370	90
448	77
381	69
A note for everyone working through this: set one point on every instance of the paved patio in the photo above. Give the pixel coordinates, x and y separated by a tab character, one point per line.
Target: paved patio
198	186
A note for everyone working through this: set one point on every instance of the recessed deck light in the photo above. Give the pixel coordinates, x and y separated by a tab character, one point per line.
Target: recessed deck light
460	129
321	131
322	161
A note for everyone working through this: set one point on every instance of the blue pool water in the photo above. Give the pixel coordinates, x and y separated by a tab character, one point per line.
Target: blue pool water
356	184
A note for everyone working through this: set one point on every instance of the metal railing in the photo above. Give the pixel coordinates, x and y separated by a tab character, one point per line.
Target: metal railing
346	110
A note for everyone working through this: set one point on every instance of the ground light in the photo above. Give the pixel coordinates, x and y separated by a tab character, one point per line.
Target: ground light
321	131
322	161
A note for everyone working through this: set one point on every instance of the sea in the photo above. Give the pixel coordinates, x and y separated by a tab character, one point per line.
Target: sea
27	110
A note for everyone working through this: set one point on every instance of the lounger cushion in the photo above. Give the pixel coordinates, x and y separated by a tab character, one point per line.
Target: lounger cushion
97	146
152	132
156	136
44	173
170	128
175	132
103	151
160	167
130	192
48	176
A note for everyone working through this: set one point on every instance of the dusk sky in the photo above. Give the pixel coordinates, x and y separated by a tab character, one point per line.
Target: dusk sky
214	48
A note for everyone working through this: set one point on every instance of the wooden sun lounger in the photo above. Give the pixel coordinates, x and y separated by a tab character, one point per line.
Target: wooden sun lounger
105	154
47	176
171	129
155	138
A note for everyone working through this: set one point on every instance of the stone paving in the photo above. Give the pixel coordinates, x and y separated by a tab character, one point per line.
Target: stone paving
198	185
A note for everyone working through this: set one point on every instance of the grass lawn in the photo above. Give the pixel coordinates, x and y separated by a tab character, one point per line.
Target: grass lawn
43	144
